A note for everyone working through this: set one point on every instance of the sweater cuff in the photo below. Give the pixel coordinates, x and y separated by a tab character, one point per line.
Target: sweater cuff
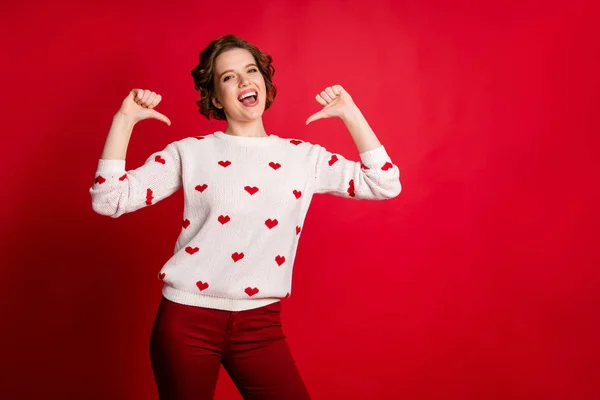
375	156
110	166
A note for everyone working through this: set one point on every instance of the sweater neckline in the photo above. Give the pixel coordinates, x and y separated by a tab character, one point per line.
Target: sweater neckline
246	141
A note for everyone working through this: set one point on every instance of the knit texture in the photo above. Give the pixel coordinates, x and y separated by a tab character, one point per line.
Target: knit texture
245	200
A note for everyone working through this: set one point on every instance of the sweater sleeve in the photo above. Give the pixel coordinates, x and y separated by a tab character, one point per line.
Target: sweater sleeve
374	178
116	191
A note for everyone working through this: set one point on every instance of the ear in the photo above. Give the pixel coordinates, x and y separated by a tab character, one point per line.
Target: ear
216	103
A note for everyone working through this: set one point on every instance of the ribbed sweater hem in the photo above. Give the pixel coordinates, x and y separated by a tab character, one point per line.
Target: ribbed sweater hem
219	303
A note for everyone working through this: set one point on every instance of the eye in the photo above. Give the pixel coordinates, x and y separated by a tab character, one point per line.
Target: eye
253	70
227	77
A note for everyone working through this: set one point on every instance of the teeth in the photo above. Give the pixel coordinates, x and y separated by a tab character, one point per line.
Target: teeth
247	95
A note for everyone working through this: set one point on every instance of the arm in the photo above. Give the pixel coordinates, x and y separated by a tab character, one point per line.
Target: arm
359	129
375	177
116	191
117	141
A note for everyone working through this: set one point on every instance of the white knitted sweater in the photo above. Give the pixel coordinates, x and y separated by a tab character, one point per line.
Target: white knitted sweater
245	203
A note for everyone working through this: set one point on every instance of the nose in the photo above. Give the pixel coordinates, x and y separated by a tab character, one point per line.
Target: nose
244	81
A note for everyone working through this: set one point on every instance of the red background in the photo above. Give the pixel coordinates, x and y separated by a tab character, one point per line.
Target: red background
480	281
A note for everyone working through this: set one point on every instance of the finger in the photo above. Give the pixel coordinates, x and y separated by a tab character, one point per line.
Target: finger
320	100
161	117
135	94
139	96
150	100
326	97
145	97
329	91
337	89
156	101
316	116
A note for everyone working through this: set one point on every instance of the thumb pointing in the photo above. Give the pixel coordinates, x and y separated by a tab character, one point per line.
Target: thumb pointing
161	117
315	117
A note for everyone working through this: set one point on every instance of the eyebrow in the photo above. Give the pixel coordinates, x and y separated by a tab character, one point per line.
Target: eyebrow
230	70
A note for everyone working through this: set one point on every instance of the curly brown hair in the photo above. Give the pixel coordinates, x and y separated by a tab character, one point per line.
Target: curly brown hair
203	73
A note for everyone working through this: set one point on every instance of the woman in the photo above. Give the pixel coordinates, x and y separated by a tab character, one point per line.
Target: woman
246	196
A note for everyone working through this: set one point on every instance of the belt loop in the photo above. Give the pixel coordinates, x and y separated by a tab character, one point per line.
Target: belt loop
232	320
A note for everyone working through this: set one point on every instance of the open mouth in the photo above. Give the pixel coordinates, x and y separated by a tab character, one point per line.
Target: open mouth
249	98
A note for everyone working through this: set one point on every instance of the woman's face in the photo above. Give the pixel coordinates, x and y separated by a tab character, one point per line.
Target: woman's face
239	86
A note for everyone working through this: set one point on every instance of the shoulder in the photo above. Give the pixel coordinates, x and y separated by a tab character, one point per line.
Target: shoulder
310	152
192	141
301	144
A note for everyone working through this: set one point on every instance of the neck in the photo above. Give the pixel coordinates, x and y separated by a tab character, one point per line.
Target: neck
253	128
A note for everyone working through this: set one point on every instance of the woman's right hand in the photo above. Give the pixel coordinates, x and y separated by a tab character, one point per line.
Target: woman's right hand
139	105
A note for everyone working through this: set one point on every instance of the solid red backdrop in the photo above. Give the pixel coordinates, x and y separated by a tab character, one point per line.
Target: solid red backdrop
480	281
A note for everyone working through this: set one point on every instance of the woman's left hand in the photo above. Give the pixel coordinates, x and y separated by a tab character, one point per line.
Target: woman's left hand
336	102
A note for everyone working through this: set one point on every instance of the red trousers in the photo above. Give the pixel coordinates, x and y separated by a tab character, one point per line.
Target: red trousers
188	345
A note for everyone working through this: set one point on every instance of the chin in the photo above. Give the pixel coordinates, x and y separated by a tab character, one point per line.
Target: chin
257	115
249	114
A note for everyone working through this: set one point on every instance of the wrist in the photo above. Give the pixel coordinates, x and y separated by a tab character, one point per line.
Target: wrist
124	118
122	124
351	115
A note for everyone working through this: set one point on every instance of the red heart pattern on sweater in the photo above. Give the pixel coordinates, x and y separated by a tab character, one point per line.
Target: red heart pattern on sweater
223	219
191	250
351	188
271	223
149	197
